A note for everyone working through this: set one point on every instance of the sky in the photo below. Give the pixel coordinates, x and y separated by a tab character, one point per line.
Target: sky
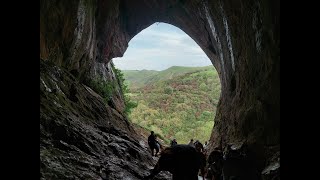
159	47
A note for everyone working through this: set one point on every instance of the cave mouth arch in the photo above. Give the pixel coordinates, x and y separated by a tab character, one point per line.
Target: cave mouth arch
157	50
242	41
241	38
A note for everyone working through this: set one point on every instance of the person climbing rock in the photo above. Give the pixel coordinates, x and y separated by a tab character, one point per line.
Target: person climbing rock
183	161
153	143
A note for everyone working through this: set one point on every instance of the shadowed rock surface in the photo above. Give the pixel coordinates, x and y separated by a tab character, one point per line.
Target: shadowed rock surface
83	137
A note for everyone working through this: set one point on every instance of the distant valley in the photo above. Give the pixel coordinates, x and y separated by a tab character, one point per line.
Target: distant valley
179	102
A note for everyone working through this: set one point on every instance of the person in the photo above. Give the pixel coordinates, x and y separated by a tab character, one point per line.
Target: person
173	142
182	161
158	145
205	145
153	143
215	165
198	145
191	143
202	159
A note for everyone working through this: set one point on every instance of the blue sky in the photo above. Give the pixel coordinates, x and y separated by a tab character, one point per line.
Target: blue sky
159	47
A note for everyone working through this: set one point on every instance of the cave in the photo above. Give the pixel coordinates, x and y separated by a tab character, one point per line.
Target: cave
184	108
84	138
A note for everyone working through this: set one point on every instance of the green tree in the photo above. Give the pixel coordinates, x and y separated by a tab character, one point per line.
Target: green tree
168	90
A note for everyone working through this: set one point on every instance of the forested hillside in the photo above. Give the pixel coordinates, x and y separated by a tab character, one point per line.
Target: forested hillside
179	102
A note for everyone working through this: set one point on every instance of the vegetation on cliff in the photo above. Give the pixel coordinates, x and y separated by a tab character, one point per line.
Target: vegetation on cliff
129	105
106	88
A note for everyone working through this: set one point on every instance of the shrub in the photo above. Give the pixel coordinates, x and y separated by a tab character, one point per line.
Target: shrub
129	105
168	90
103	88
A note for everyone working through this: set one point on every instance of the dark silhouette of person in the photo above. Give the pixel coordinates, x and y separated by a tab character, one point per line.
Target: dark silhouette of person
198	145
215	165
240	164
191	143
152	142
183	161
173	142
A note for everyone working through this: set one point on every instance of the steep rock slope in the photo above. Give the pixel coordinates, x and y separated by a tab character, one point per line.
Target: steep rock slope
81	137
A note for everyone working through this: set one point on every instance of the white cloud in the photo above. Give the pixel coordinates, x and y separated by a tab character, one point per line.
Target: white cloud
159	47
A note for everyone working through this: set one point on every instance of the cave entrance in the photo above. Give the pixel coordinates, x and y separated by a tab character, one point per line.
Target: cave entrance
174	83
